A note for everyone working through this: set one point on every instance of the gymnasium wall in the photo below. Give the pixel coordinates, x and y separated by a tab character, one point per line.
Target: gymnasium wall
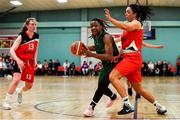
56	37
55	44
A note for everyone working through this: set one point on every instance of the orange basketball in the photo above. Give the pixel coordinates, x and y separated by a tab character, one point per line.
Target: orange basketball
77	48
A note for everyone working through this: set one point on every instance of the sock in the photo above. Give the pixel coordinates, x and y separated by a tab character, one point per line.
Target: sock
93	104
157	104
8	97
126	100
113	96
20	89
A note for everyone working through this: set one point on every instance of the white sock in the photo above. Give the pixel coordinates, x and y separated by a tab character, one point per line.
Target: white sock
19	89
157	104
126	100
8	97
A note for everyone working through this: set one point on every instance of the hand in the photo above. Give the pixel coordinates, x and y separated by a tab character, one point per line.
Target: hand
20	65
36	67
87	53
116	59
107	14
161	46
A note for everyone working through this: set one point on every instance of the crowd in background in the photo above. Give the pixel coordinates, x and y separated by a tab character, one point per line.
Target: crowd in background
54	67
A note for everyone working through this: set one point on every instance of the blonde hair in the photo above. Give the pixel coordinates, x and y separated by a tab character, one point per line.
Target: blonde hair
24	28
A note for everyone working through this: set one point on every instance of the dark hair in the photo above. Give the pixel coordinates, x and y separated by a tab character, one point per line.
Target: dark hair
24	28
143	12
101	23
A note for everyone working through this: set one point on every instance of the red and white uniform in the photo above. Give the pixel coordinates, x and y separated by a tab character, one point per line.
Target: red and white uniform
26	52
130	65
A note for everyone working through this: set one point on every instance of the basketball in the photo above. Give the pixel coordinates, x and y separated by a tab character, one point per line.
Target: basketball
77	48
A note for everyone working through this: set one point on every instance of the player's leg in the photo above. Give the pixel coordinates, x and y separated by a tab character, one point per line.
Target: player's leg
130	91
26	87
102	89
12	87
115	78
137	86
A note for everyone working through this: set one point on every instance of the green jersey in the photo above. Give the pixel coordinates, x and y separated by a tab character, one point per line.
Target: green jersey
100	49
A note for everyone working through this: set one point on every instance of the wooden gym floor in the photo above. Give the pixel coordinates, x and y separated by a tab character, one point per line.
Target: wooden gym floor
65	98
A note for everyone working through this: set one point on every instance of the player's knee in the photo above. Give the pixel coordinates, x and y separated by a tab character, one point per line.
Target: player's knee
111	77
16	81
29	86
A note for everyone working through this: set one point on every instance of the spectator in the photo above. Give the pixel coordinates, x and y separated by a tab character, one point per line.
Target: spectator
72	69
85	68
97	68
172	70
164	68
91	69
45	67
178	65
151	68
39	68
66	67
144	68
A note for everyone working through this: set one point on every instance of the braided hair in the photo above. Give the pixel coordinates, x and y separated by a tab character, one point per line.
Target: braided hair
143	12
101	23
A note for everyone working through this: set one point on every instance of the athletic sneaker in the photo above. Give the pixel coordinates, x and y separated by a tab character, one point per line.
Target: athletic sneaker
19	93
88	112
6	105
110	102
130	92
161	109
126	109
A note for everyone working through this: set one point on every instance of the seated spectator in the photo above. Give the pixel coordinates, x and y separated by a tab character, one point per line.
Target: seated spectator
164	68
72	69
172	70
50	67
39	68
91	69
178	65
85	68
3	67
151	68
9	64
45	67
144	68
97	68
66	67
57	64
53	68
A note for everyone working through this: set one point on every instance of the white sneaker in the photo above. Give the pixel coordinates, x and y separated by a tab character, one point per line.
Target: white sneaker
19	93
110	102
161	109
88	112
6	105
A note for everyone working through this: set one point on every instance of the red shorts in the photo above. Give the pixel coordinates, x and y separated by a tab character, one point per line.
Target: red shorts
28	71
130	66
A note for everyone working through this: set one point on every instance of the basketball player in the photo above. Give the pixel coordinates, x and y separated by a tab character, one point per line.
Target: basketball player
105	48
24	52
130	65
130	92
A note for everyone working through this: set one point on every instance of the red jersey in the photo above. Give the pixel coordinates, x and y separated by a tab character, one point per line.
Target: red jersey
26	52
132	40
130	65
28	46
